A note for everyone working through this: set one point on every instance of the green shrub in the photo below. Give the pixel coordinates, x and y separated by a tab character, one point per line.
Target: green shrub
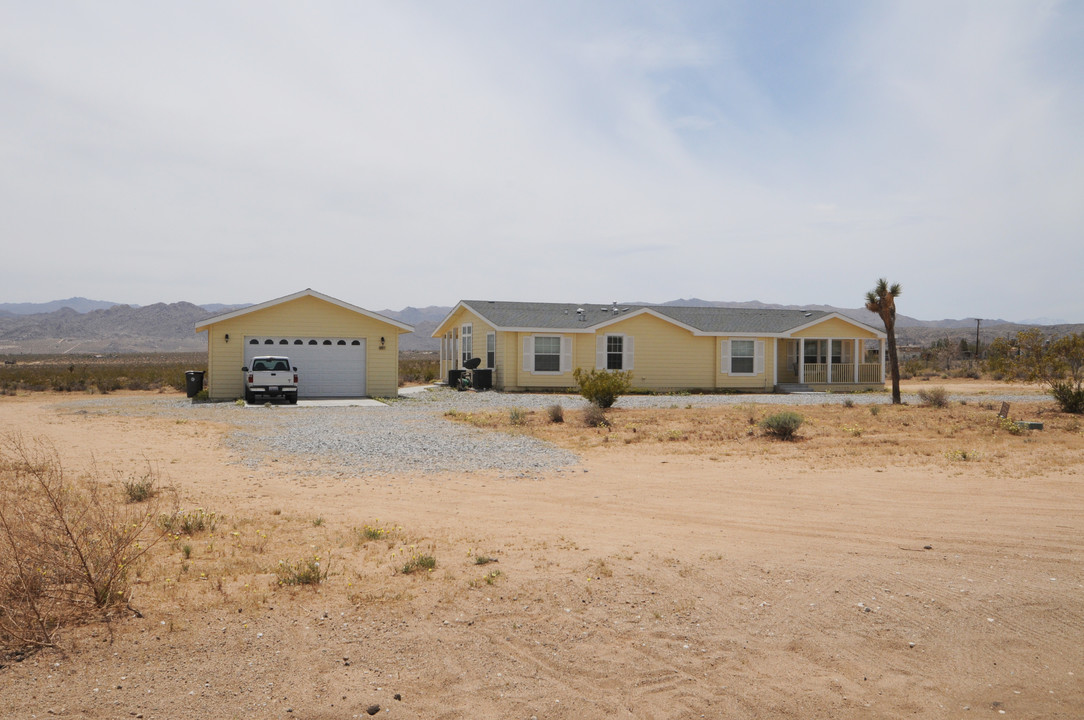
419	562
140	490
603	387
934	397
782	425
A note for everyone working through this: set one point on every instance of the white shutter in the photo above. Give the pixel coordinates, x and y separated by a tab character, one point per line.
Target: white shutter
528	354
758	357
600	352
724	357
626	361
566	353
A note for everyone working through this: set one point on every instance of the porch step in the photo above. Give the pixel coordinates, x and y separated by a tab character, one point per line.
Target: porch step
794	388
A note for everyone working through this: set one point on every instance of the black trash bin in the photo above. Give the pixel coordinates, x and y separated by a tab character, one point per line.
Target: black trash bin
454	376
193	382
483	379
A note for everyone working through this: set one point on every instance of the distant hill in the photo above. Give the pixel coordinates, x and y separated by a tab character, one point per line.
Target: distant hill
78	304
112	328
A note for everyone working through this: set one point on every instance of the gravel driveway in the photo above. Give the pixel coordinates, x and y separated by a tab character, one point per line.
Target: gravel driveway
411	436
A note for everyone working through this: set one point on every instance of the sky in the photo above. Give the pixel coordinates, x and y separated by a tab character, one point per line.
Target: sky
397	154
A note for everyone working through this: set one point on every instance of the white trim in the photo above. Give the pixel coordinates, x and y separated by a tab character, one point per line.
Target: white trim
833	316
758	347
724	356
564	357
308	292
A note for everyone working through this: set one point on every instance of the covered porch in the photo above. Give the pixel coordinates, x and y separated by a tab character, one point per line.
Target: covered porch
832	363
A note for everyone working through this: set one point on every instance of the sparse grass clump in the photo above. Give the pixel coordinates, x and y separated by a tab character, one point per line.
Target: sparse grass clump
783	425
934	397
517	416
189	522
484	559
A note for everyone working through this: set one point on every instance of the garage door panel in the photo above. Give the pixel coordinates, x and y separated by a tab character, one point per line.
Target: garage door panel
326	367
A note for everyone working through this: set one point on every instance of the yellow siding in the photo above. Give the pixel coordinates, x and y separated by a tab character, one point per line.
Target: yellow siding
835	328
665	357
304	316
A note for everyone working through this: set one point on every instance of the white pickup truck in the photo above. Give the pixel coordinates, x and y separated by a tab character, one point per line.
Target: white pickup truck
271	375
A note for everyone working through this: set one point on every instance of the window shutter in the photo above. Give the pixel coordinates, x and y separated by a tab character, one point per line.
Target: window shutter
600	352
626	361
528	354
724	357
566	353
758	357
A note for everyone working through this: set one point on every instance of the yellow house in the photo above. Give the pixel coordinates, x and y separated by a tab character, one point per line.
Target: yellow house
536	346
339	349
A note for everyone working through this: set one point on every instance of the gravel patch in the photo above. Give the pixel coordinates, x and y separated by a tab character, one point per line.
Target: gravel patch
411	436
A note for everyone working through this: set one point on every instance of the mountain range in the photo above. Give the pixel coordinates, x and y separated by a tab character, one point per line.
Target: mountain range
79	325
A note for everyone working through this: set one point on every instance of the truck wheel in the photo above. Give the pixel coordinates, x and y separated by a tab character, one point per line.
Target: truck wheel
292	397
250	397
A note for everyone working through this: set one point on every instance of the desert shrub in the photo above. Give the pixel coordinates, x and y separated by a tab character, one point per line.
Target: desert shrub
782	425
848	403
517	416
1057	363
874	410
595	416
603	387
67	546
934	397
556	413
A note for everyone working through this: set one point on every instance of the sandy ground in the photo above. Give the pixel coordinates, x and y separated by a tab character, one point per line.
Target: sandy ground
843	576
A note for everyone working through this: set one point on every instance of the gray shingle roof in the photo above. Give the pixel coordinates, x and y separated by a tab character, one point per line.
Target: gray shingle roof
565	316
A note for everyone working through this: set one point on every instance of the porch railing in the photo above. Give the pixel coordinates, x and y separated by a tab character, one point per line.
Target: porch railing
842	373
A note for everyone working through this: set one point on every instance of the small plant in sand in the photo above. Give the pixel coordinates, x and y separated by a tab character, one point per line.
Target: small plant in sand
517	416
141	490
484	560
375	531
961	455
419	562
307	571
783	425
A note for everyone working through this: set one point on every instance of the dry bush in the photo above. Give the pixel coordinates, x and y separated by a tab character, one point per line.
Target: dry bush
67	546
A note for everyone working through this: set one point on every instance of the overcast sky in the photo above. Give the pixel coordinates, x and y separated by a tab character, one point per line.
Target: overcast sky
400	153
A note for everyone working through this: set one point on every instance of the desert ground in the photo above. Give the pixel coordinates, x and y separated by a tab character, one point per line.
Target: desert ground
902	562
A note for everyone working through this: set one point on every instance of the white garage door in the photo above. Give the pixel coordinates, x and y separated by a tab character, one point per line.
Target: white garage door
326	367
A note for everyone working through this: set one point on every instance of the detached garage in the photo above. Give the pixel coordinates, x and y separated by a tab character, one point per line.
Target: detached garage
339	349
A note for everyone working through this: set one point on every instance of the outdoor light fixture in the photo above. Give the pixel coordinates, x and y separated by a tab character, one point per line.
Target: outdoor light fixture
381	343
227	337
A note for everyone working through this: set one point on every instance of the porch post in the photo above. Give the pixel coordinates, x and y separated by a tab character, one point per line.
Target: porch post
801	361
856	342
829	359
775	362
882	361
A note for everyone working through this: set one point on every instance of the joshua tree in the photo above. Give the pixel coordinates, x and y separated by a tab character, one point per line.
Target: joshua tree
882	300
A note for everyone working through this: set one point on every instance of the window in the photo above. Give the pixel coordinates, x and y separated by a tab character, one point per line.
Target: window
741	356
615	352
298	342
253	341
816	351
341	342
547	354
491	350
284	341
466	342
